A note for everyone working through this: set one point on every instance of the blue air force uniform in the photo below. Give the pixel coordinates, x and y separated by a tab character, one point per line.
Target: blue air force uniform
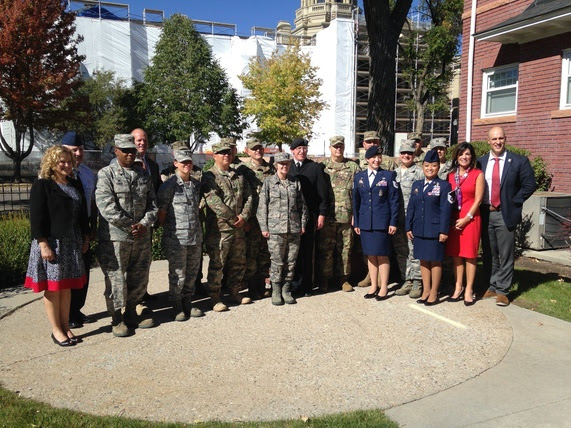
428	215
375	208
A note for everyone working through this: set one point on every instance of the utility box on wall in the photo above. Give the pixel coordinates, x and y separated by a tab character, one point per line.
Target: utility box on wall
546	221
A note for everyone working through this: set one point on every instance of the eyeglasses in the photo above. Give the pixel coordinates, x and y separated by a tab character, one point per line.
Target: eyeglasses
339	147
223	153
407	153
131	151
257	149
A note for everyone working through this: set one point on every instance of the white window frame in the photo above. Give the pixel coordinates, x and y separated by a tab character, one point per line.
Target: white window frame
485	90
565	78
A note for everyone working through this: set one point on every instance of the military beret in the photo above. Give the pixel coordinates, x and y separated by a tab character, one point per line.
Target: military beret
373	151
414	136
296	142
281	157
370	135
253	142
431	157
407	146
228	140
71	139
124	141
220	147
183	155
337	139
437	142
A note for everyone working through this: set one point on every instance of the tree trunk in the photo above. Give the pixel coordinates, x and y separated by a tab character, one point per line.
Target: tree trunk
384	25
17	170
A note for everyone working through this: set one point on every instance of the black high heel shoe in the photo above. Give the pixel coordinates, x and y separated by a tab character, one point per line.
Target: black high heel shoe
371	295
457	299
66	342
380	298
421	301
436	302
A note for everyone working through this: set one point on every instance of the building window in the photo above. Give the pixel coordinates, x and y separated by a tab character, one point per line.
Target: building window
566	81
499	95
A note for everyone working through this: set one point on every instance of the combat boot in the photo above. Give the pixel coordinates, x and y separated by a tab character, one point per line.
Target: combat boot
365	282
405	289
178	311
118	327
345	286
191	311
145	317
286	292
217	305
277	295
236	297
416	290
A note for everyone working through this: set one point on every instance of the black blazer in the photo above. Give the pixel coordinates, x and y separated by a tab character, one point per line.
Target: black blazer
154	172
51	210
517	183
313	185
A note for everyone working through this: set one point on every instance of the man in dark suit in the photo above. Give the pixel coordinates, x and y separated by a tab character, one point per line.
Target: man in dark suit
314	188
509	182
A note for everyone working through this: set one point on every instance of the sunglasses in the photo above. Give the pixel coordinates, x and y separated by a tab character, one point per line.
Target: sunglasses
133	151
223	152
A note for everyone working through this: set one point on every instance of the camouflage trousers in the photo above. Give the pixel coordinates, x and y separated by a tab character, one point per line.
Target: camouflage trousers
257	255
227	254
409	267
125	266
184	262
283	248
334	243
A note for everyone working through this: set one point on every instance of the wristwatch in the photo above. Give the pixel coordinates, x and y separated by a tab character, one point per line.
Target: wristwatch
470	216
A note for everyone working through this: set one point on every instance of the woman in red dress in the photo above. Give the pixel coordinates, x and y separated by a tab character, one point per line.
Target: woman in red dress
464	238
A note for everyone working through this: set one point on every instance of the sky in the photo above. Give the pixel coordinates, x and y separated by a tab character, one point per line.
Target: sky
244	13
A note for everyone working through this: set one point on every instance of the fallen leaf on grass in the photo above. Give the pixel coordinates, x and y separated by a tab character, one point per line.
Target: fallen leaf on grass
553	301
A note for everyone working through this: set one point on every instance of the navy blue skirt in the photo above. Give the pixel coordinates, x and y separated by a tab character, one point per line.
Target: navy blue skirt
376	242
428	249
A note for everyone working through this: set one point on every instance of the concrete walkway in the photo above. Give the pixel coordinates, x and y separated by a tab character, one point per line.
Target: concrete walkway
441	366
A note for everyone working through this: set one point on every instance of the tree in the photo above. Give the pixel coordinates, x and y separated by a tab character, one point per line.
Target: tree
428	51
385	20
285	97
185	90
106	113
39	65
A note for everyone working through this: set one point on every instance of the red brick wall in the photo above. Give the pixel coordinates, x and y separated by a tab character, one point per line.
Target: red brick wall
539	86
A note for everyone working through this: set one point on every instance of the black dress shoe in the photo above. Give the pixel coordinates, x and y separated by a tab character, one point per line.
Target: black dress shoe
427	303
421	301
75	339
75	324
371	295
66	342
380	298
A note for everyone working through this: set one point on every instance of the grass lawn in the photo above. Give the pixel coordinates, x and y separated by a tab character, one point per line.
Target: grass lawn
21	412
547	293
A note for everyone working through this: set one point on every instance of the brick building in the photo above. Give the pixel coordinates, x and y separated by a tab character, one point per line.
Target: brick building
516	73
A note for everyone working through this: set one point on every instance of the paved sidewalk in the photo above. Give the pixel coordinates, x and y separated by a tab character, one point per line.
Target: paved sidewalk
441	366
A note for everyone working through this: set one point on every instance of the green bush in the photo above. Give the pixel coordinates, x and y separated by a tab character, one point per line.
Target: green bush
542	176
157	249
14	248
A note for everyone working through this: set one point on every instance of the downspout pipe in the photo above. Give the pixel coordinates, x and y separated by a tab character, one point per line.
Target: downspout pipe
470	81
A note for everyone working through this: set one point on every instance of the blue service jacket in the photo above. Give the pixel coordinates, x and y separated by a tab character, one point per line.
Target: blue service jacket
428	211
375	207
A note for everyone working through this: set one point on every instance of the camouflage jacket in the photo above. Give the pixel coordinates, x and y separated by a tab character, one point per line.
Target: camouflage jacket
124	197
180	200
227	195
405	178
445	169
255	176
282	208
340	179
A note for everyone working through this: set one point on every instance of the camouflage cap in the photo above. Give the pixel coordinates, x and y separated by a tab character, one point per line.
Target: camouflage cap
407	146
124	141
180	145
370	135
254	142
183	155
220	147
414	136
337	139
437	142
228	140
281	157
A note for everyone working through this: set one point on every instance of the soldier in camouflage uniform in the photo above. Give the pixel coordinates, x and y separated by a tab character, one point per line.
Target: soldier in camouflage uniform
127	210
178	200
282	212
256	170
228	207
335	239
407	173
419	153
439	144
